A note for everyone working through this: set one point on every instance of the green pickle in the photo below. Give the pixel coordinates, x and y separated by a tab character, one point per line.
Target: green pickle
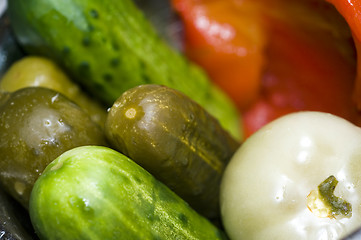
175	139
36	126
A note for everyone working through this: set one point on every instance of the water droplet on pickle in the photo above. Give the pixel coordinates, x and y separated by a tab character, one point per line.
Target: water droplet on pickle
19	188
191	116
47	122
131	113
82	204
55	98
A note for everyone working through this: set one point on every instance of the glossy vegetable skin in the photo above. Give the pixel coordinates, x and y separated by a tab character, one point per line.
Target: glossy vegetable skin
227	39
312	39
298	177
290	55
14	220
35	71
94	192
36	126
131	51
350	10
175	139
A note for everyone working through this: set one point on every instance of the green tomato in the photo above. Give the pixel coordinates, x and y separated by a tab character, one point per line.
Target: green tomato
298	177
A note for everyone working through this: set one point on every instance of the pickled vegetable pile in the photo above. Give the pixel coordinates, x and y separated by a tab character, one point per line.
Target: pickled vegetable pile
244	125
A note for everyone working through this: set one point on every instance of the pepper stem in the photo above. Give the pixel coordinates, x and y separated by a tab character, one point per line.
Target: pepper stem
323	202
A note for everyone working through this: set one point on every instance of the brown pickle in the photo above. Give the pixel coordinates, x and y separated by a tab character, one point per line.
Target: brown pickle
175	139
36	126
34	71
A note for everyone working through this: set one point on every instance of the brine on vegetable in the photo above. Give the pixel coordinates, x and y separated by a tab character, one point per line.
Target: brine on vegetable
96	193
296	178
175	139
36	126
35	71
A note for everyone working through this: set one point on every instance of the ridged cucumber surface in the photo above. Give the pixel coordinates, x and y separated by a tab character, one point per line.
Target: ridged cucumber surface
95	192
109	46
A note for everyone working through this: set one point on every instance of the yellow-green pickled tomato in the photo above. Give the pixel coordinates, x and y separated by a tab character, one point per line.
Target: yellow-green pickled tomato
35	71
298	177
36	126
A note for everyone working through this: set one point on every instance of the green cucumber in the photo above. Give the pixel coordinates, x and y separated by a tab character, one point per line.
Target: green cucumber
109	46
175	139
93	192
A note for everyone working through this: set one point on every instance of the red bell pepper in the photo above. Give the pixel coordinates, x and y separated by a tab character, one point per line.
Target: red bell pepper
351	11
227	40
311	65
307	57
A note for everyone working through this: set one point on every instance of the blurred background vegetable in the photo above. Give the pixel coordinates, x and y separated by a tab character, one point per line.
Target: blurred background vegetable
109	60
350	10
227	40
10	50
42	72
305	52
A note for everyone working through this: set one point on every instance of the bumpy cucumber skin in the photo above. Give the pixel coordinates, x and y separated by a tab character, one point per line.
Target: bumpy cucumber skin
109	47
95	192
175	139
